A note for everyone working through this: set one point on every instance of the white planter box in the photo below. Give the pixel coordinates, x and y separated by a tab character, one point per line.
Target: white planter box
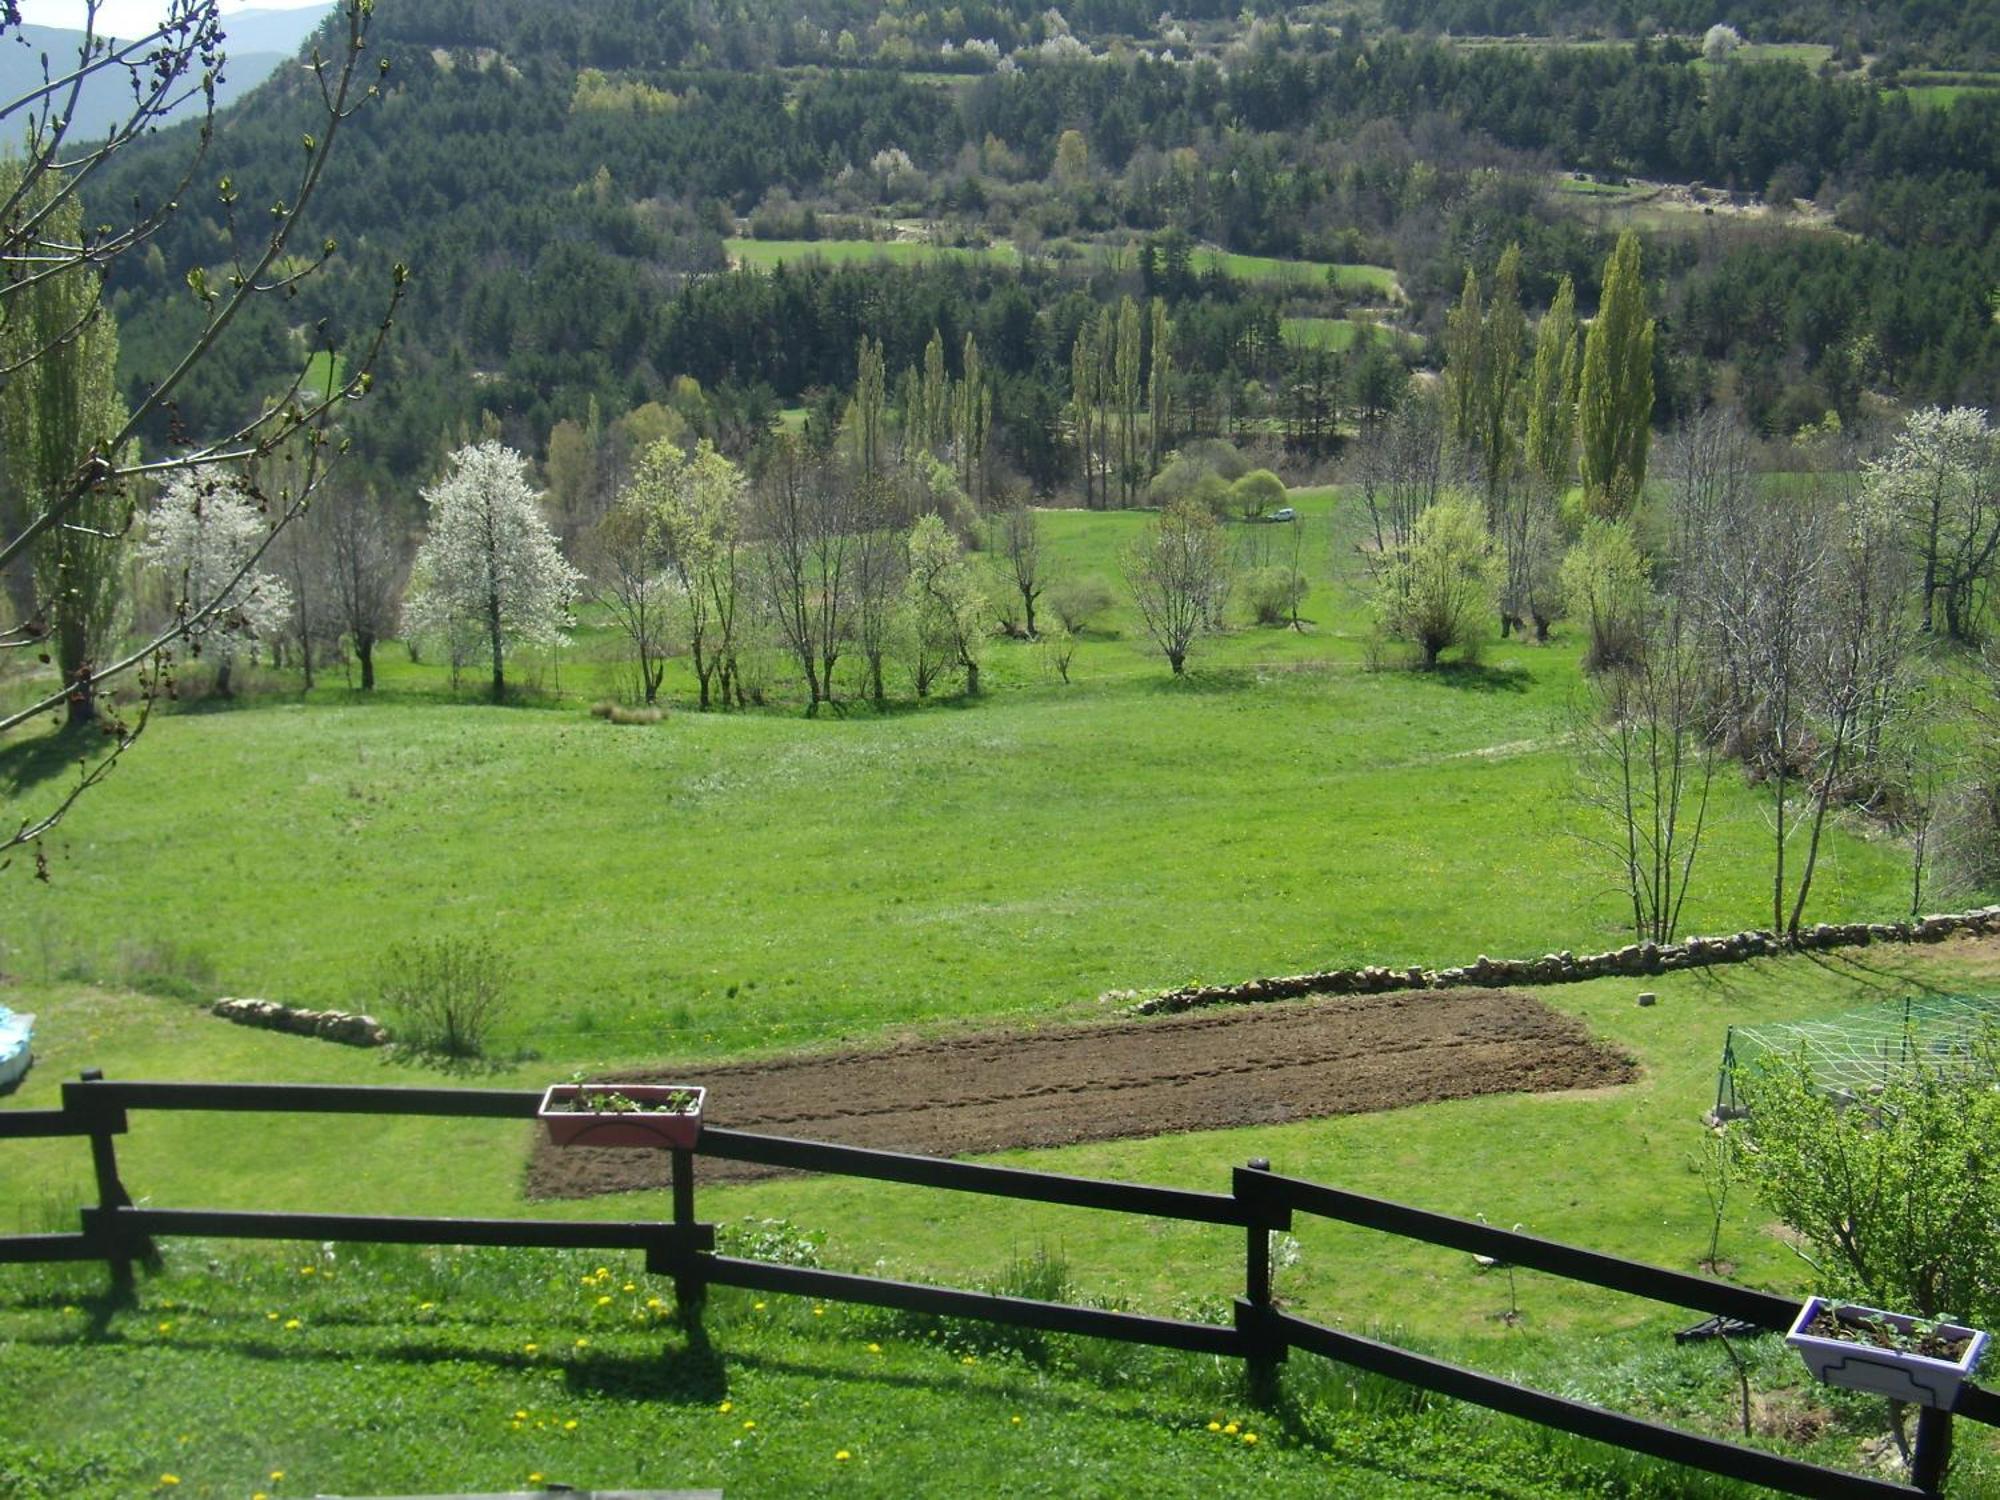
1895	1373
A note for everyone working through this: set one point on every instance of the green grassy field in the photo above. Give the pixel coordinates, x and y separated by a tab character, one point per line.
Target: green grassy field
1337	334
717	886
764	254
1379	280
372	1371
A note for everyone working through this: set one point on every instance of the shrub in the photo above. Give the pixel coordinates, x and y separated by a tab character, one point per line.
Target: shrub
1256	492
1893	1189
1603	582
443	995
1273	593
1077	601
1443	588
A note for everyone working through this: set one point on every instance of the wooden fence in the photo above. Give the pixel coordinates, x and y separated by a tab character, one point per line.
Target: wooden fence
1259	1202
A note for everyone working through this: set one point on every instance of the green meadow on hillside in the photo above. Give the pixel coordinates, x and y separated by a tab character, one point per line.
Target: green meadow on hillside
727	885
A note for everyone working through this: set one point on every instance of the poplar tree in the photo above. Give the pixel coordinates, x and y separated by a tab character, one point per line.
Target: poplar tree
1501	336
1551	435
1125	381
1615	397
1464	343
1159	394
59	401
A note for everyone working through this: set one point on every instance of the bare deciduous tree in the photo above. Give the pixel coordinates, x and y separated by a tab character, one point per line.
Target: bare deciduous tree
803	516
1017	551
1178	573
367	559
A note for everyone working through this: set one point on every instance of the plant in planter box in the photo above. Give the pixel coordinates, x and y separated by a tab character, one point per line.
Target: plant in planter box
1885	1353
623	1114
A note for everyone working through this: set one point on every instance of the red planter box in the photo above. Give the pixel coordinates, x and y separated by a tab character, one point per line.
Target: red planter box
654	1128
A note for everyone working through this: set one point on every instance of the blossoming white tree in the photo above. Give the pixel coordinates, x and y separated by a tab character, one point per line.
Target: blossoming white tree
203	536
490	568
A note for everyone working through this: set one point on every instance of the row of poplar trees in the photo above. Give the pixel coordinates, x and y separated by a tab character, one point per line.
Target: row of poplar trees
1121	367
1535	424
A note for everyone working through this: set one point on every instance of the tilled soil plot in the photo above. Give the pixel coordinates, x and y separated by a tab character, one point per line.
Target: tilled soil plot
1251	1065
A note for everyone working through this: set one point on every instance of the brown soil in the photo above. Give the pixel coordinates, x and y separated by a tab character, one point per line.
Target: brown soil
1254	1065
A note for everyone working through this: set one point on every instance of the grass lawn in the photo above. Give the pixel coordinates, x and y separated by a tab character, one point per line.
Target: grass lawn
376	1371
1379	280
763	254
722	885
1337	334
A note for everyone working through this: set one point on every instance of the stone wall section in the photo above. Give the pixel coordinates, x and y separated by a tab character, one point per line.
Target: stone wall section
328	1025
1634	960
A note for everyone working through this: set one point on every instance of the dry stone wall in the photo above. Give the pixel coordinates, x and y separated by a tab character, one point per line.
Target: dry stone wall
328	1025
1634	959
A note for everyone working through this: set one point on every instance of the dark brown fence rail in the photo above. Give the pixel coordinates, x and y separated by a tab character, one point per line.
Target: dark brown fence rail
1259	1201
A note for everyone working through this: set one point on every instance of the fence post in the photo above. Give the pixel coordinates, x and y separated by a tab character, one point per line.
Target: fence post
1263	1341
104	1123
1933	1451
690	1286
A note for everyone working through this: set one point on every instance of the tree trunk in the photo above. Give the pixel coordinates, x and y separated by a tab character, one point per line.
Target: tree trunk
72	656
493	634
222	688
364	647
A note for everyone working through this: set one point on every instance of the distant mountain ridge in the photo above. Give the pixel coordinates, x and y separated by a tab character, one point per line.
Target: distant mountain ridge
258	43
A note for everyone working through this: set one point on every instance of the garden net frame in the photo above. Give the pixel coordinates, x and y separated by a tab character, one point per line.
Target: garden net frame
1851	1055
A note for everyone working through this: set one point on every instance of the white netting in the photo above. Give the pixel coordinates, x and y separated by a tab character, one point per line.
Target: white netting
1861	1051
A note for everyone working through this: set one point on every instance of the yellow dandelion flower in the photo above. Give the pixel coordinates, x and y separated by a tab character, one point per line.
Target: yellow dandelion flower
535	1478
293	1323
1017	1421
570	1425
1231	1428
727	1406
747	1426
603	1301
272	1317
874	1348
520	1416
589	1280
166	1328
655	1302
842	1456
69	1309
757	1307
259	1495
170	1479
308	1270
276	1475
630	1287
425	1306
1215	1427
819	1312
583	1343
1249	1437
530	1348
602	1272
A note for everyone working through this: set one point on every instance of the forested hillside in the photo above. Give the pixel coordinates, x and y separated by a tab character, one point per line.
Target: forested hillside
563	181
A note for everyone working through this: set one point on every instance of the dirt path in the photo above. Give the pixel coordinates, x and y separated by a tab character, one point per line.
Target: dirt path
1249	1066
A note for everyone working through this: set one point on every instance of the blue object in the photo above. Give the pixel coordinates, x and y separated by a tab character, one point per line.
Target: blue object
16	1030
